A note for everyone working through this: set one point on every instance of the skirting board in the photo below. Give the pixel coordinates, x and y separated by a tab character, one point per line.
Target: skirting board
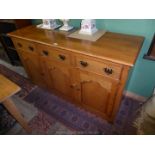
134	96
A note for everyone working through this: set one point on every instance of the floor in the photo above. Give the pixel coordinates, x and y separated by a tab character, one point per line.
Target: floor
3	54
42	122
20	70
37	121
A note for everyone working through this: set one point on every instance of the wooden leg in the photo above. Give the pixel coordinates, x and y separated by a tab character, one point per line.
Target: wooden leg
10	106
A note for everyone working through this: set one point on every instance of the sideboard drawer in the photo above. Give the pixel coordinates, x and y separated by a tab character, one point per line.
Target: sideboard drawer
103	68
55	54
24	45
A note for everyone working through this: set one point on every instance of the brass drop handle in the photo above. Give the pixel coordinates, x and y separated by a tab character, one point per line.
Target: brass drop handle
108	70
62	57
83	63
45	53
19	44
31	48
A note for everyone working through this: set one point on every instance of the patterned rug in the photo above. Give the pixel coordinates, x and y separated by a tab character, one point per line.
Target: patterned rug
6	120
54	111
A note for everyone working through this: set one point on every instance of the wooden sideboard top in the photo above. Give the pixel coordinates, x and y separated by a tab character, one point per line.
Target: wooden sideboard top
115	47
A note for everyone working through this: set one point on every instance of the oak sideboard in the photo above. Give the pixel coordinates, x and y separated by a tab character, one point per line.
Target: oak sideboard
91	75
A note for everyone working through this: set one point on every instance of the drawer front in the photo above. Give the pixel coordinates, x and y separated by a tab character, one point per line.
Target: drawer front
103	68
53	53
24	45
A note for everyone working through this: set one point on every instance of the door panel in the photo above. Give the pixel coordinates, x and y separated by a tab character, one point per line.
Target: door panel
45	74
92	98
97	92
32	66
60	77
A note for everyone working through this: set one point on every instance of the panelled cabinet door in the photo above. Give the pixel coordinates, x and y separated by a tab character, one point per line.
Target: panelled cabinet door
31	64
44	73
60	77
97	93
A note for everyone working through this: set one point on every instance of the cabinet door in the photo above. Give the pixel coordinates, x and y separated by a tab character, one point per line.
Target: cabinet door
32	66
60	77
97	93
